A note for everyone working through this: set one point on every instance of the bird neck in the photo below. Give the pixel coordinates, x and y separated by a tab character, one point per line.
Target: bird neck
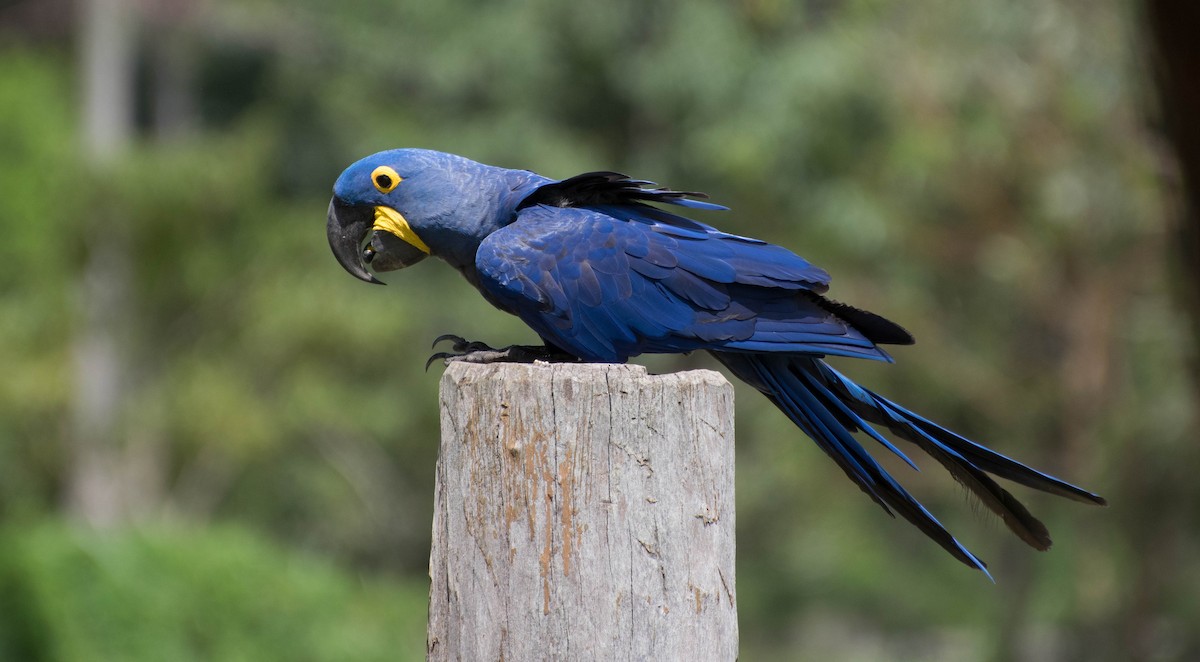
488	202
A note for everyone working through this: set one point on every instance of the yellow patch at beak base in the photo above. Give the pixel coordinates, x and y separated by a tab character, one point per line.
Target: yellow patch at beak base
389	220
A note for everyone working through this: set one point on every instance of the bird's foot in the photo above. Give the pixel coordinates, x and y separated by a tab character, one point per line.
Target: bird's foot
477	352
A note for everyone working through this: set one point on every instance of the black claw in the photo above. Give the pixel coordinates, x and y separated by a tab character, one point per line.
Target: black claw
478	352
458	340
460	347
434	357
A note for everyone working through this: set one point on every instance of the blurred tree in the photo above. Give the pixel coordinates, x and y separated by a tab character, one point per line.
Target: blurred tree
1175	56
95	489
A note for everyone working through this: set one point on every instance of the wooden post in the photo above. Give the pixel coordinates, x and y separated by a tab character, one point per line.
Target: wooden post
583	512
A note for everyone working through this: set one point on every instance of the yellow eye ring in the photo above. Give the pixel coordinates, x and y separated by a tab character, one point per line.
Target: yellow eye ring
385	179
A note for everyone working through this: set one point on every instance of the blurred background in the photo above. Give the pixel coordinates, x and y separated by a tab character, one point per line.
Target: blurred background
214	444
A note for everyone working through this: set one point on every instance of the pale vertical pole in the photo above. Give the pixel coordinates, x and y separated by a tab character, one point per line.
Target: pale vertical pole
583	512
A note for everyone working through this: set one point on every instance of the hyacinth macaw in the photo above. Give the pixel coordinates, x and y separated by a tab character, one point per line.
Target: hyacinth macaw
602	275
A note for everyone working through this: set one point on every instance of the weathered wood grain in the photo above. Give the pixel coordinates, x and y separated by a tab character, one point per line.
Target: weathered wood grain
583	512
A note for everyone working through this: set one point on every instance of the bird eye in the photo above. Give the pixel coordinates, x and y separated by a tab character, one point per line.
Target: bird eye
385	179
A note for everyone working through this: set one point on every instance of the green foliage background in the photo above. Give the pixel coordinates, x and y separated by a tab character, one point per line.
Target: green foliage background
982	172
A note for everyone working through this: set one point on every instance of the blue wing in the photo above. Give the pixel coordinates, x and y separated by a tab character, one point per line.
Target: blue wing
609	282
593	189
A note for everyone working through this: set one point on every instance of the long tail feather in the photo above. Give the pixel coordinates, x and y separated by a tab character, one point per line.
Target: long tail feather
923	432
830	408
782	379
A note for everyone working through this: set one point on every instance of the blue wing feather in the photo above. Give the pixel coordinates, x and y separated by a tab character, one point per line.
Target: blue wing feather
598	188
632	287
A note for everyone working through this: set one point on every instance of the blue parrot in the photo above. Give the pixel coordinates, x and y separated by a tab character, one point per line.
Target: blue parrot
601	274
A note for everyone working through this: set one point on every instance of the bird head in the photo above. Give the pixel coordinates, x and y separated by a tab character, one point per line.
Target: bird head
392	209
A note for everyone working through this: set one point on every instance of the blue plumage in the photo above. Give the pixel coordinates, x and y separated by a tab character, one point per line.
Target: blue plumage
602	275
604	289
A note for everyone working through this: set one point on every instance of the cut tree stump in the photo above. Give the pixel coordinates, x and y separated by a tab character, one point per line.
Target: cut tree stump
583	512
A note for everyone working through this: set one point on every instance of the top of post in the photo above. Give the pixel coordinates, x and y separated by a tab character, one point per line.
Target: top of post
462	372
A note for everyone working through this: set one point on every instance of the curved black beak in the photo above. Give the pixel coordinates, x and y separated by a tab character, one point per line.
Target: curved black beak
346	227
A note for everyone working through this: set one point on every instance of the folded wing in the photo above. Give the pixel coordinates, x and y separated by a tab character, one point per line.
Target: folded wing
610	282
